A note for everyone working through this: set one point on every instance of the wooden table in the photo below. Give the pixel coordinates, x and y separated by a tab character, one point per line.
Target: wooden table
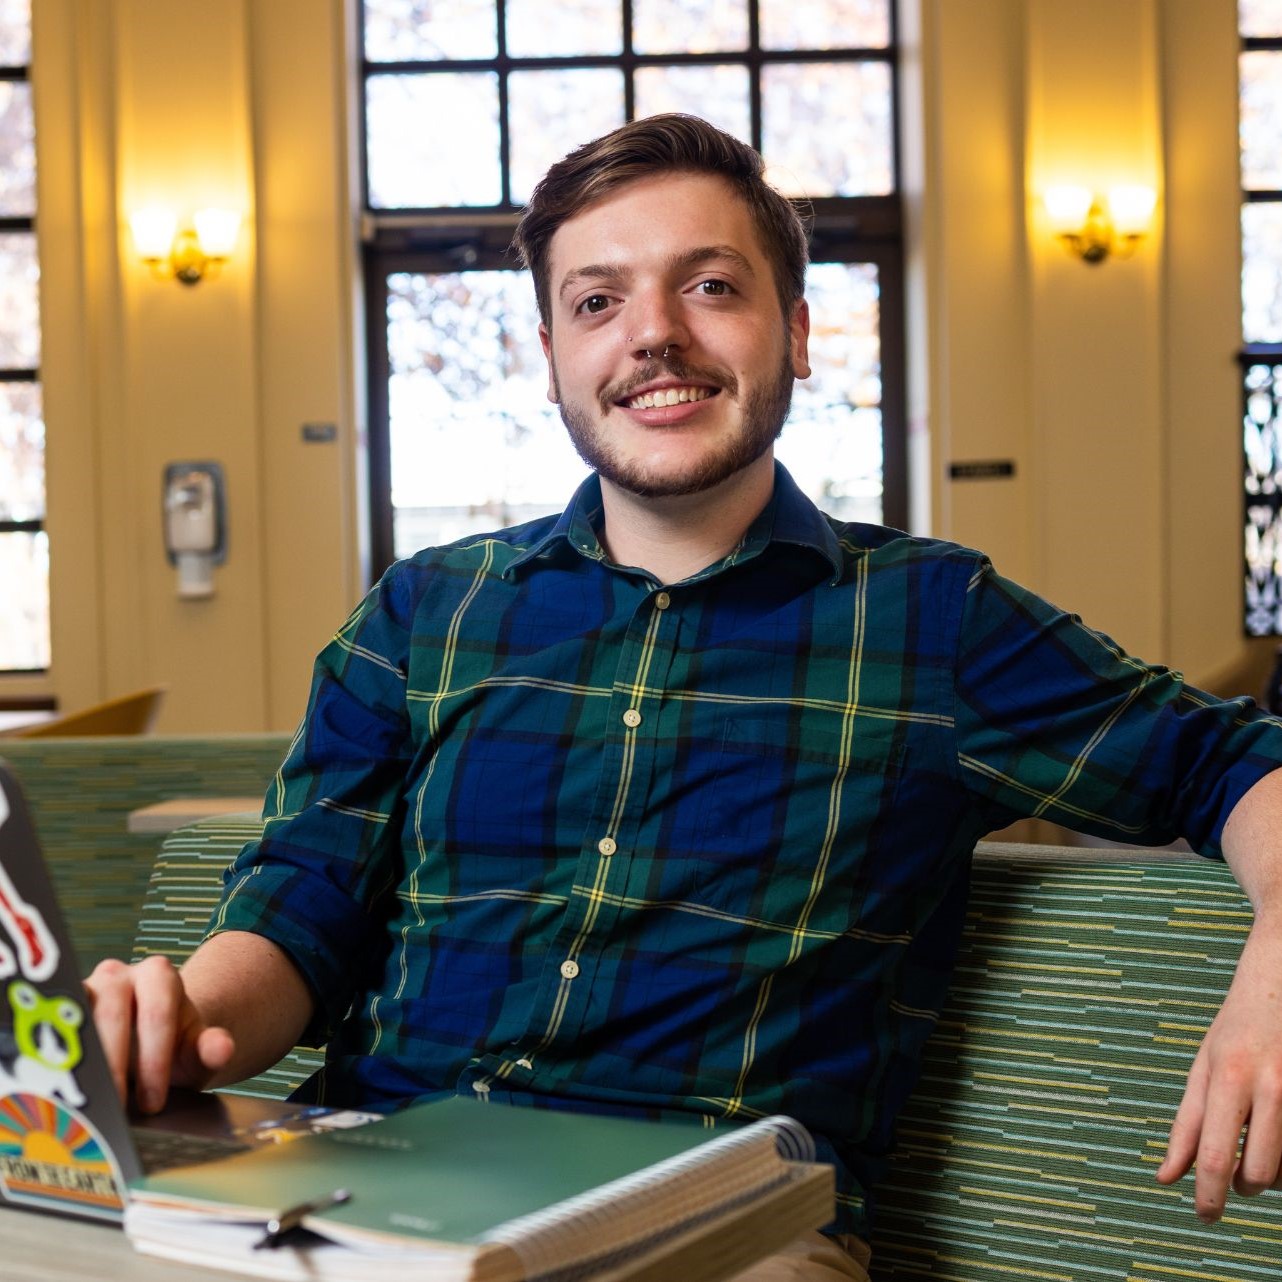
165	816
48	1248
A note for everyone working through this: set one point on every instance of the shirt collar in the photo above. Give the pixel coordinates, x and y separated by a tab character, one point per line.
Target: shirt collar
790	517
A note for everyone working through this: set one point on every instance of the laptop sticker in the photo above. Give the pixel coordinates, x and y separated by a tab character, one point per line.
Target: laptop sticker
45	1045
53	1159
37	949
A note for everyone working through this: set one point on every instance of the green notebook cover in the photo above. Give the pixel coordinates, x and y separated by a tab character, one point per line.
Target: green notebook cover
447	1171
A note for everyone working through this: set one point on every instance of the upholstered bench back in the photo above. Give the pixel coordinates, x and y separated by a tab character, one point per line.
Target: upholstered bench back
81	793
1085	982
186	881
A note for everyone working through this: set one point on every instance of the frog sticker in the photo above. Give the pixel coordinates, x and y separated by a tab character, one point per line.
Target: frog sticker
46	1046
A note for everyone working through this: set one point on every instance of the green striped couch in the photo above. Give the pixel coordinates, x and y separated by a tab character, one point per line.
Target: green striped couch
1085	981
81	792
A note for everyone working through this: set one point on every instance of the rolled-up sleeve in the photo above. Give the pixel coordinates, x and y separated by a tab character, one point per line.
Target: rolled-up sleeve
316	881
1056	721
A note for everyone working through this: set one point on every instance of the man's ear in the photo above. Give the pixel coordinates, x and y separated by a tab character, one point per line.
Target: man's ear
799	339
545	338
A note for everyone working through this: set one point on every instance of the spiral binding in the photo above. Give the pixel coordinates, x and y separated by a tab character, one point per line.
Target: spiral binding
563	1243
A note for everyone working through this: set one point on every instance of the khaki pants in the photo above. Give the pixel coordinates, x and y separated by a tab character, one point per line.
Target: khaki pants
813	1258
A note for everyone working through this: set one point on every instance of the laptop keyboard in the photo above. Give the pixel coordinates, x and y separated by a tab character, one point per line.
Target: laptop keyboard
159	1150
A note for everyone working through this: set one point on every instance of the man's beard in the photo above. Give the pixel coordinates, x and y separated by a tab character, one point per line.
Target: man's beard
764	413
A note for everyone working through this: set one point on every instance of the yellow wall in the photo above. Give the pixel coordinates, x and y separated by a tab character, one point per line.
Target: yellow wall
1113	388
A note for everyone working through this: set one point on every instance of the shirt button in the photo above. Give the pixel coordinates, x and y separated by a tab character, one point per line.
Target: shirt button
569	969
524	1063
662	601
481	1088
632	718
607	846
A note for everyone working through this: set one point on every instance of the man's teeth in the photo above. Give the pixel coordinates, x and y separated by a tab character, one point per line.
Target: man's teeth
669	396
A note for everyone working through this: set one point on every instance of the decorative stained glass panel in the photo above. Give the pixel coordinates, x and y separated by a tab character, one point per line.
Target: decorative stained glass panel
1262	428
19	303
1260	17
15	35
433	140
825	24
568	28
689	26
832	443
552	112
1261	120
24	621
1262	272
17	151
426	30
719	94
22	460
827	128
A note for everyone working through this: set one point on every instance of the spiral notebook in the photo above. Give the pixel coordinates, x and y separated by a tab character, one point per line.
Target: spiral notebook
463	1190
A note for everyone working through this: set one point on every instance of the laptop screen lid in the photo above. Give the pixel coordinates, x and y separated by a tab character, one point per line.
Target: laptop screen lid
64	1138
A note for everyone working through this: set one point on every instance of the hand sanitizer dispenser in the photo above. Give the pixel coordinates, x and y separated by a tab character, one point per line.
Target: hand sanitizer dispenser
195	525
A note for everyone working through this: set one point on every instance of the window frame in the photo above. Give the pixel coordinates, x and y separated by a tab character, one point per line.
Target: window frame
852	229
22	224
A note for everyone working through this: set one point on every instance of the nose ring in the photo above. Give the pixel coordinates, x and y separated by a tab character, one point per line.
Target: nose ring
649	355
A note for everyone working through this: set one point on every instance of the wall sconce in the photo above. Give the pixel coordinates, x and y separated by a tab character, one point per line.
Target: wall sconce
187	254
1096	227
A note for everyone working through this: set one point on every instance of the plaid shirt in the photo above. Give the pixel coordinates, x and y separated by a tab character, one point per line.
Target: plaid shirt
554	833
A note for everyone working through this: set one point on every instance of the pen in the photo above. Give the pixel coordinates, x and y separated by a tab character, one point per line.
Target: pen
292	1216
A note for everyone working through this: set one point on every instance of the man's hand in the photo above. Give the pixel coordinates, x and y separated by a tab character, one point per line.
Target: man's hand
237	1006
1236	1081
151	1031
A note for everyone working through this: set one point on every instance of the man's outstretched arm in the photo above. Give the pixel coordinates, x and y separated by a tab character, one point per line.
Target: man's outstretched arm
1236	1079
234	1009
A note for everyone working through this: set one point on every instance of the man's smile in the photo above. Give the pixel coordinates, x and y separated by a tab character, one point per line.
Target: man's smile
662	396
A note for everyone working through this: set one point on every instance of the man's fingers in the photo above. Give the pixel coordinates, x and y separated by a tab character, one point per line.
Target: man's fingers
158	998
1186	1130
1261	1164
201	1056
1227	1108
111	996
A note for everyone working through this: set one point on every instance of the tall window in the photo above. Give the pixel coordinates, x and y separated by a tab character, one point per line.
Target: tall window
1260	24
24	548
466	105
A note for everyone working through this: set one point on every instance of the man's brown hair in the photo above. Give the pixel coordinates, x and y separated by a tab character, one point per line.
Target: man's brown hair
641	149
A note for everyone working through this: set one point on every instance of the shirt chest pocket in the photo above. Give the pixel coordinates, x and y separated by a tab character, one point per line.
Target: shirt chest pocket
796	817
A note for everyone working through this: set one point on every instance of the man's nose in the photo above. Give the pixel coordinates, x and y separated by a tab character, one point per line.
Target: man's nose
658	328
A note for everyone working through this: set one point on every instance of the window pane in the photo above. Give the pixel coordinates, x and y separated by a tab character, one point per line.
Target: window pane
22	463
1262	273
827	128
15	33
433	140
24	621
689	26
1260	17
427	30
17	151
475	443
552	112
718	94
536	29
1262	439
19	305
1261	126
832	443
825	24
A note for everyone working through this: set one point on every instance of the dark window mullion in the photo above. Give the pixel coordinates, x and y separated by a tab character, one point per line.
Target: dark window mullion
754	73
505	125
559	62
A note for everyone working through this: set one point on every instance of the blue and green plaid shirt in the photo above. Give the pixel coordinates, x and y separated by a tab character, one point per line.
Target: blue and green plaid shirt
554	833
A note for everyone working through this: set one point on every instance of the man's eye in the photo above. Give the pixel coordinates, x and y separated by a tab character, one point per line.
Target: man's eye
714	288
597	303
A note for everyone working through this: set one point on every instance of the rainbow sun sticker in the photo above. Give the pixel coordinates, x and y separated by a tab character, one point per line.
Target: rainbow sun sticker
52	1158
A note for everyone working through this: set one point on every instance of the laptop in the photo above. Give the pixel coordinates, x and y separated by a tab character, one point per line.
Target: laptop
66	1143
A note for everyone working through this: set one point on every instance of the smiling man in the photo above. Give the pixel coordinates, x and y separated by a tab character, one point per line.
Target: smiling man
664	807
